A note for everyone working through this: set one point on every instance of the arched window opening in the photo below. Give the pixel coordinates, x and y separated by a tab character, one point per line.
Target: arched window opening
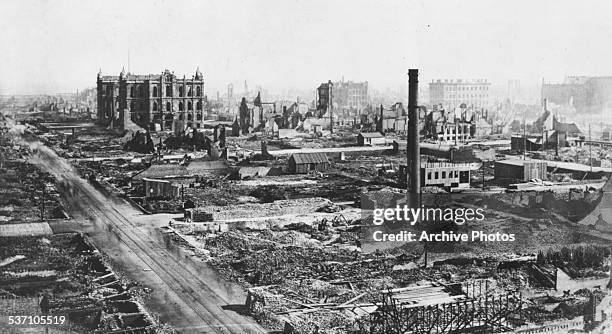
199	91
181	91
189	91
169	90
131	91
189	117
189	105
181	107
154	106
168	106
199	105
155	91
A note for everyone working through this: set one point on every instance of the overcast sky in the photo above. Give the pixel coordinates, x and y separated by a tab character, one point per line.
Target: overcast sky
58	46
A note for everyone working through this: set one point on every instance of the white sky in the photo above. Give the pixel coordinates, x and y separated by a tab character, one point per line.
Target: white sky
58	46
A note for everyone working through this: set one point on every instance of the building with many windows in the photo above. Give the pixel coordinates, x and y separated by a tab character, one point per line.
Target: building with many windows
452	93
154	101
350	96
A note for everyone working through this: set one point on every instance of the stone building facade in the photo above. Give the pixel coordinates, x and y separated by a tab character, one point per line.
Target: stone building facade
452	93
350	96
154	101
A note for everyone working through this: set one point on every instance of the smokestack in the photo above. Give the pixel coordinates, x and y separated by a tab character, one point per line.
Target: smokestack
414	157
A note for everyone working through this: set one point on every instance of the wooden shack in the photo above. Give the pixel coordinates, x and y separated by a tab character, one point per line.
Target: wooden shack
302	163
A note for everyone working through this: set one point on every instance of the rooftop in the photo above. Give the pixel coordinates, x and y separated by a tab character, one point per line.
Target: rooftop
309	158
206	167
163	171
371	135
557	164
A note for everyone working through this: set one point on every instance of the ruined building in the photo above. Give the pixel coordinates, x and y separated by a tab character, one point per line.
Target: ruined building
586	94
154	101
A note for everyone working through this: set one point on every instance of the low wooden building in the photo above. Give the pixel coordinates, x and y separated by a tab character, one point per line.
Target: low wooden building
371	138
161	189
302	163
515	170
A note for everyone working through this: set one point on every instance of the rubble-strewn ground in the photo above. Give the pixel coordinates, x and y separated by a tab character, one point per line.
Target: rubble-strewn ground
23	188
321	264
76	280
64	271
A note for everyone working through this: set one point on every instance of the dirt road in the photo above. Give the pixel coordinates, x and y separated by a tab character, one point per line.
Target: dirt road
186	294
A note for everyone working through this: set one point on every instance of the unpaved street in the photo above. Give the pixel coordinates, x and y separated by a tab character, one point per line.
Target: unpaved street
186	294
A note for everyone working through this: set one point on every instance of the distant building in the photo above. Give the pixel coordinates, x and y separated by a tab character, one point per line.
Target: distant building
452	93
303	163
586	94
154	101
514	90
349	95
605	134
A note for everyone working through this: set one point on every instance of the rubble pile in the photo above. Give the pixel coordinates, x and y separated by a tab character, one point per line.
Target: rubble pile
76	280
276	208
26	193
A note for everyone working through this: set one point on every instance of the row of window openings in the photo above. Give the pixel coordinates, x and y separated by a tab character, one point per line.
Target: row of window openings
169	124
181	91
474	103
181	106
139	91
467	96
181	117
466	88
436	175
